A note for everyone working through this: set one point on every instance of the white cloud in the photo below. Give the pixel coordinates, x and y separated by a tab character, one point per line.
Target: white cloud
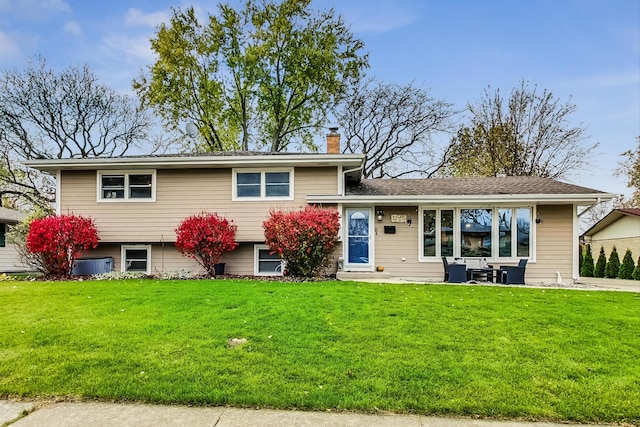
136	18
380	16
73	28
134	48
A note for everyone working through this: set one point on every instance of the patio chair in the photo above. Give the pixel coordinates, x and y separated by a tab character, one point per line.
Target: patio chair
513	275
454	273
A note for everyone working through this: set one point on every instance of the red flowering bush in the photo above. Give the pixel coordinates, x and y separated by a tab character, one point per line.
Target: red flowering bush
303	239
205	237
60	240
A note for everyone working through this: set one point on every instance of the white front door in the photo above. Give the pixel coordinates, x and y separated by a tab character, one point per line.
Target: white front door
359	250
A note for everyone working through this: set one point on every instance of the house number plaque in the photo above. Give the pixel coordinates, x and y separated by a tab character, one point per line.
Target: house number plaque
398	218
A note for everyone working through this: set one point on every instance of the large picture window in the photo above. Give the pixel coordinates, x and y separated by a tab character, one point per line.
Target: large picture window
491	233
252	185
126	186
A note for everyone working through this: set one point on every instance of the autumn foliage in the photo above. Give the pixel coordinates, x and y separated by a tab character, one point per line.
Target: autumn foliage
303	239
205	237
60	240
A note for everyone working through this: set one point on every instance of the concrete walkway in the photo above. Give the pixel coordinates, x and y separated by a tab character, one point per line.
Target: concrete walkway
95	414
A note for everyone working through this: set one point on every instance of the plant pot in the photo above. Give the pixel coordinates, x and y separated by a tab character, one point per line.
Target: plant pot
218	269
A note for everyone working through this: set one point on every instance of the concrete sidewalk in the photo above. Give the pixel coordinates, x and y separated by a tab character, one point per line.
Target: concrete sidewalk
95	414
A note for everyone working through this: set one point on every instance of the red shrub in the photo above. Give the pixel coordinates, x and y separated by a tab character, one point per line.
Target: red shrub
303	239
60	240
205	237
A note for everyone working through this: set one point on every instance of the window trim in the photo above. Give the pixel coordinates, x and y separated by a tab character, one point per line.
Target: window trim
495	232
127	187
256	262
263	184
123	252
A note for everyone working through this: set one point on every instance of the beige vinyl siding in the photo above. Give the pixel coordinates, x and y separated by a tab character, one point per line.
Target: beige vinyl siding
390	249
9	259
555	244
181	193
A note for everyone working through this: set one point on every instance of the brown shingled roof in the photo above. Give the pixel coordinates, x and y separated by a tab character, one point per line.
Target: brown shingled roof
466	186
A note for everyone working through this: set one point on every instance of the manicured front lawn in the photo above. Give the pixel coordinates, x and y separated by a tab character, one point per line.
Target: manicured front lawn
490	351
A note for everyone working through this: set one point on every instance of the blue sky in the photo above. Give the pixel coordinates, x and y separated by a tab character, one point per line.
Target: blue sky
585	51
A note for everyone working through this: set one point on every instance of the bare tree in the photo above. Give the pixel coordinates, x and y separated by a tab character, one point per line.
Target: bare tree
52	115
531	133
630	168
393	126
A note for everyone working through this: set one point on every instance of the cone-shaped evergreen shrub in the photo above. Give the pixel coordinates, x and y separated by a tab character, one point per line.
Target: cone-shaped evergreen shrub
627	266
598	271
636	271
613	265
587	263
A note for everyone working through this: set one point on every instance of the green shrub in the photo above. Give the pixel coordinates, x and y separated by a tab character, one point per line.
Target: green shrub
587	263
636	271
627	266
598	271
613	265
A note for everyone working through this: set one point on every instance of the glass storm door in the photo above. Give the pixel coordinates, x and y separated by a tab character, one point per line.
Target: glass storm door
359	254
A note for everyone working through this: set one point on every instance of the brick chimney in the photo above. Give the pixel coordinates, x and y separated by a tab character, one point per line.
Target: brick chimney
333	141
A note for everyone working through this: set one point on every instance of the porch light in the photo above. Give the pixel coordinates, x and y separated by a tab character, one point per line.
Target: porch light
379	215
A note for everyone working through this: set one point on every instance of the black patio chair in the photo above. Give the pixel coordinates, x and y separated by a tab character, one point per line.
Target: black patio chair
454	273
513	275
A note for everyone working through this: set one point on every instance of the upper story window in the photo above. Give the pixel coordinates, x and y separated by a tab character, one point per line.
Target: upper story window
265	184
138	186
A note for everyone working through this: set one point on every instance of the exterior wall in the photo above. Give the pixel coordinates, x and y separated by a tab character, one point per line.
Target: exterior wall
165	258
398	253
623	234
9	260
180	193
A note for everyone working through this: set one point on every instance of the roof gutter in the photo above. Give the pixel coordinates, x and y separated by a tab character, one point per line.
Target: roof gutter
482	199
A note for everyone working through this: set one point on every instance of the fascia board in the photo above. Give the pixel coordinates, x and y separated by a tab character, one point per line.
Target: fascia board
317	160
536	199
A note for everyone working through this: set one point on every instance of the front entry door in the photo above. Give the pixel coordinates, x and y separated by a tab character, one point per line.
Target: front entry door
359	254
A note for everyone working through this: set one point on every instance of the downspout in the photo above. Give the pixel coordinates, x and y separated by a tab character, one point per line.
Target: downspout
598	201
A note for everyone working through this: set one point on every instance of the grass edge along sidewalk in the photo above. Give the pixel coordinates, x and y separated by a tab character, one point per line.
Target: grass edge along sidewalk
493	352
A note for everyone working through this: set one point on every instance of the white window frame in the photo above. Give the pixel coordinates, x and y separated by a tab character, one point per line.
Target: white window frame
495	233
263	184
126	174
123	259
256	262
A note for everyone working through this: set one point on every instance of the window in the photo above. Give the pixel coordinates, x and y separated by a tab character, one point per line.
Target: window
126	186
266	264
3	235
136	258
254	185
476	232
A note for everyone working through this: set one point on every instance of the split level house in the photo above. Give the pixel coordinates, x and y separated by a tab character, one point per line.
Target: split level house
401	226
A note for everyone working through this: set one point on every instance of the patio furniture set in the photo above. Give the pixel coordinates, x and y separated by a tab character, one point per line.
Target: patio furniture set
461	271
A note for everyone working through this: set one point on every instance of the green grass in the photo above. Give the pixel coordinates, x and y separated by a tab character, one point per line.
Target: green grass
488	351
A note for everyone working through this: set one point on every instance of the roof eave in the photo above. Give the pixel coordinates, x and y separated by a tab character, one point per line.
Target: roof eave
313	160
536	199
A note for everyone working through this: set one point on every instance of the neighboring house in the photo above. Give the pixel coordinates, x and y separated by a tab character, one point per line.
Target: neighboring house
9	259
620	228
404	226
